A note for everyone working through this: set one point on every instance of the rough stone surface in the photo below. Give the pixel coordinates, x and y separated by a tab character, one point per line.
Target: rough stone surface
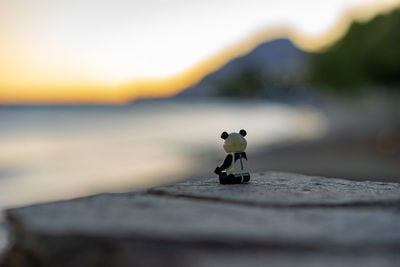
187	220
288	189
278	219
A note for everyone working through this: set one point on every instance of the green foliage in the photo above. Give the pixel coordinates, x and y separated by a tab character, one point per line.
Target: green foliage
368	54
248	83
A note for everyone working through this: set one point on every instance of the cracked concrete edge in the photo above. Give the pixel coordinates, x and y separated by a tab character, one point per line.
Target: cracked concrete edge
29	243
353	204
164	190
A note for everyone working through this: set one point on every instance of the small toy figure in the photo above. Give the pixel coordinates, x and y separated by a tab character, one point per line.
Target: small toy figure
233	170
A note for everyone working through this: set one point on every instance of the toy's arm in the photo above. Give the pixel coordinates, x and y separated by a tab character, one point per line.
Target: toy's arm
225	165
227	162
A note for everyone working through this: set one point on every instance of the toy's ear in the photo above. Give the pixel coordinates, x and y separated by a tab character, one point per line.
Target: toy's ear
243	132
224	135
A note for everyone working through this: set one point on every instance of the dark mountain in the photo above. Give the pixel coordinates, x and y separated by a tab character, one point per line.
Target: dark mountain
274	64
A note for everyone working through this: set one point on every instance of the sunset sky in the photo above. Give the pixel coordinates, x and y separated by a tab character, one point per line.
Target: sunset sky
110	51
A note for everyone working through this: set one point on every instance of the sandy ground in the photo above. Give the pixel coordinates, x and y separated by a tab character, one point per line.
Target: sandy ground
359	157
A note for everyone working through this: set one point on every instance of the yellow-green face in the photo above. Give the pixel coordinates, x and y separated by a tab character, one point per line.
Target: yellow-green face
235	143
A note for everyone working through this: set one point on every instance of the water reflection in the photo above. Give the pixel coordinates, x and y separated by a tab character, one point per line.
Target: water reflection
54	153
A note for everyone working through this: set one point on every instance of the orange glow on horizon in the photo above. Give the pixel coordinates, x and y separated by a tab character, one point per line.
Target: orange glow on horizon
148	88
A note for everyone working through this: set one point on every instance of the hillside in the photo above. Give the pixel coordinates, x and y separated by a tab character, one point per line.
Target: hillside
272	64
369	54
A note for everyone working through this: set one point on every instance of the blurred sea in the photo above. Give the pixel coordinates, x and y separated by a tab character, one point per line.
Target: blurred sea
49	153
54	153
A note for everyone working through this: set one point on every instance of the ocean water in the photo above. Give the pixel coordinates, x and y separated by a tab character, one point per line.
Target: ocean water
49	153
53	153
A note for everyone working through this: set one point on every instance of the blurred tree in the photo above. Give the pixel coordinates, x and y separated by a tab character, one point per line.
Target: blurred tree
248	83
368	54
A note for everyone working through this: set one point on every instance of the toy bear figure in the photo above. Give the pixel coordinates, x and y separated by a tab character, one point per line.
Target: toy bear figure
233	170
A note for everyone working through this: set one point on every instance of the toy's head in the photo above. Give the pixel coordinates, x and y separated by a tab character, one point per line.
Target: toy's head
234	142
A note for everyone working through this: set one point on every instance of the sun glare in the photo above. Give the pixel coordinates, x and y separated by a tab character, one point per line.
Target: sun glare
115	51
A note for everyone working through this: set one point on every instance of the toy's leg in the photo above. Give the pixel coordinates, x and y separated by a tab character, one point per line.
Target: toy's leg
229	179
246	177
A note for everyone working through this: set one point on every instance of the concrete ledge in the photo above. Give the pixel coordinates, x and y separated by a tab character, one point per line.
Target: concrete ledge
288	189
278	218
